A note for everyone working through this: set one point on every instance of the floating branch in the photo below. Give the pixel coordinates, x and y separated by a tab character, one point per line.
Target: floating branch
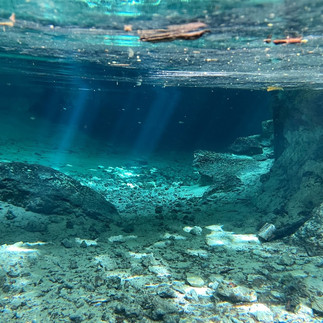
187	31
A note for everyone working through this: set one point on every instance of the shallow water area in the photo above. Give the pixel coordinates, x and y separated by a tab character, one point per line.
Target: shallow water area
168	181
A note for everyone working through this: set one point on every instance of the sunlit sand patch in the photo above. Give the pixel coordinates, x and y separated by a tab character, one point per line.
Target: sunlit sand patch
218	237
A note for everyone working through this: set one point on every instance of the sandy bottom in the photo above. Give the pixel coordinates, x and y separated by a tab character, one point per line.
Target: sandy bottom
173	255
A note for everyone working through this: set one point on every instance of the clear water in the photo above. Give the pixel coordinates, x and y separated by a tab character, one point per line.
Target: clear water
83	44
81	94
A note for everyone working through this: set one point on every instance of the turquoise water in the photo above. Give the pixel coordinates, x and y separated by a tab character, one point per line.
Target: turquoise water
87	40
138	179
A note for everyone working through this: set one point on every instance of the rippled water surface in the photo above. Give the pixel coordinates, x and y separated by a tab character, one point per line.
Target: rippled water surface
62	42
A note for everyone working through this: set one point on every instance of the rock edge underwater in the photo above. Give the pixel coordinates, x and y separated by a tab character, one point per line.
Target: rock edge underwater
41	189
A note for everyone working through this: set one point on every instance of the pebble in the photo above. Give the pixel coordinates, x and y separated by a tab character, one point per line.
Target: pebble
235	293
196	231
302	309
166	292
261	313
195	281
67	243
317	304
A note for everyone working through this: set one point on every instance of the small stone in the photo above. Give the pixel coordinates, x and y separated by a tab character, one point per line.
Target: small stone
166	292
196	231
10	215
261	313
83	244
214	285
319	263
113	281
194	295
195	281
317	304
13	272
67	243
76	318
159	271
235	293
303	309
286	260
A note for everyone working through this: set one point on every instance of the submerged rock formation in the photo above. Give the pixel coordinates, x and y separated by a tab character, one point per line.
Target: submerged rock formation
220	169
310	235
44	190
294	186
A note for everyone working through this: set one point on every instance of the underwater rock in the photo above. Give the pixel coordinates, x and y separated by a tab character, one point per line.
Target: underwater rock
225	184
195	281
221	169
247	146
166	292
68	243
267	128
44	190
10	215
195	231
294	186
317	304
235	293
310	234
261	313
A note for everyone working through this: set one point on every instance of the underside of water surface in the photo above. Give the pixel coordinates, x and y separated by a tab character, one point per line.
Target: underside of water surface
98	42
161	161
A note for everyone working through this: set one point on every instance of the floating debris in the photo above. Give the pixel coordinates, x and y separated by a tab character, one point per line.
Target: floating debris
11	22
189	31
127	27
267	232
287	40
274	88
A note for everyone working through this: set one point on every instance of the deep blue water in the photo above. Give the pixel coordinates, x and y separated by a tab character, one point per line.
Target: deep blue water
147	119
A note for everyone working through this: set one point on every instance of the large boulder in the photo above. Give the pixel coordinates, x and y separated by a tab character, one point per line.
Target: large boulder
44	190
294	186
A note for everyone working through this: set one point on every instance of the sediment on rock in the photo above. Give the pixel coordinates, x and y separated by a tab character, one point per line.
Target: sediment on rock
44	190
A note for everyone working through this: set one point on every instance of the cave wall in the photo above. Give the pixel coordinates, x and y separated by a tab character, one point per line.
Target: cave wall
293	190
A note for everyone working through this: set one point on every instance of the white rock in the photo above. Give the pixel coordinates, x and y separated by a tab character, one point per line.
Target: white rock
173	236
317	303
106	262
195	281
235	293
302	309
197	231
193	230
121	238
86	241
198	253
161	271
214	285
261	313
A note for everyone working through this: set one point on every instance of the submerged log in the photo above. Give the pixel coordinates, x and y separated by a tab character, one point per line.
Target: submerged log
187	31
